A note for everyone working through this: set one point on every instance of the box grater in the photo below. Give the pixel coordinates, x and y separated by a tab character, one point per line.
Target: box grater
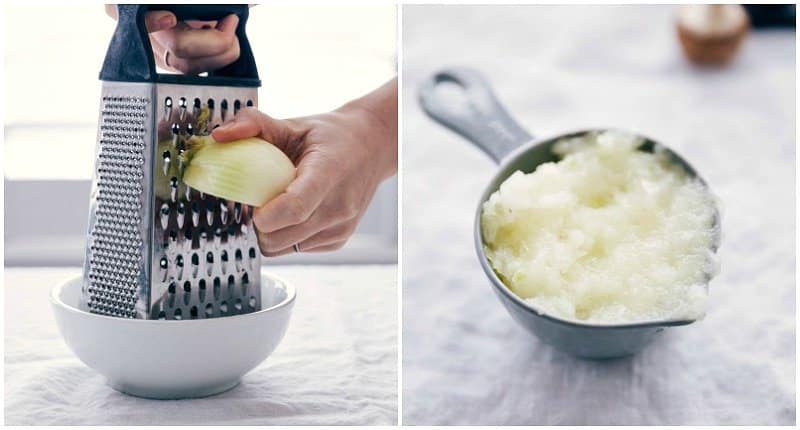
156	248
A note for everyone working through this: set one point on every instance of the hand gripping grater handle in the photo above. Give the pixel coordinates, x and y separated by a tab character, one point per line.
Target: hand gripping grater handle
156	249
129	57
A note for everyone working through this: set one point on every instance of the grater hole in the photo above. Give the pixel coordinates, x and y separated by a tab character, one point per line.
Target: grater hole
236	106
252	252
210	103
201	286
249	103
162	315
168	102
223	106
177	314
193	312
252	302
182	102
216	288
209	310
187	293
238	304
172	288
223	307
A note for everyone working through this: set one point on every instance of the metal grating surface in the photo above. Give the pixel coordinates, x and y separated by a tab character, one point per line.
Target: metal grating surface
158	249
205	259
115	249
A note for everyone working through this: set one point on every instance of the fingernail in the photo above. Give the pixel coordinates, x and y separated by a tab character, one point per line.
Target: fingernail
165	22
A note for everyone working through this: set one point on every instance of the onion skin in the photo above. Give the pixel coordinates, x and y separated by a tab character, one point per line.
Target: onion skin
250	171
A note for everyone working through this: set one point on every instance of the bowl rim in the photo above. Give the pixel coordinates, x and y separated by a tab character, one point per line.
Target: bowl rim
291	294
501	287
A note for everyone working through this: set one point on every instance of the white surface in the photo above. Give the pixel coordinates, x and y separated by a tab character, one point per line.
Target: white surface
558	69
337	363
195	358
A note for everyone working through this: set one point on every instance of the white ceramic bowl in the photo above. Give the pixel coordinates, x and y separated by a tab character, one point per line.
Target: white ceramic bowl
174	359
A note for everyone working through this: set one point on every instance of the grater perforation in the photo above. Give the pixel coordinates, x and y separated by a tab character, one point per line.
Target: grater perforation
116	246
158	249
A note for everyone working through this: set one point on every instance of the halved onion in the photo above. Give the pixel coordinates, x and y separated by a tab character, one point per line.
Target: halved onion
250	171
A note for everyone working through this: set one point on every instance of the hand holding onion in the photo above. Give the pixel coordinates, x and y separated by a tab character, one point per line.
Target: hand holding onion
341	157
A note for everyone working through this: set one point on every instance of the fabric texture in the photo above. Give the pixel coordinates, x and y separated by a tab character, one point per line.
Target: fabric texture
337	363
559	69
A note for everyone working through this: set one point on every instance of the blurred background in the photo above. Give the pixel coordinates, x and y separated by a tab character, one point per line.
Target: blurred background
564	68
311	59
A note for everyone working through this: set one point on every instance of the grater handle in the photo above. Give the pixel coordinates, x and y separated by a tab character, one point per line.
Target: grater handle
129	57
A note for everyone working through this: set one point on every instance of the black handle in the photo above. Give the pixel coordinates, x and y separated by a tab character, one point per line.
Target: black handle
130	57
481	119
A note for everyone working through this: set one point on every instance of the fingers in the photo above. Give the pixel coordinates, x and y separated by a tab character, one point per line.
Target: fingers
333	247
111	10
157	20
329	239
188	43
325	239
197	65
324	218
251	122
294	206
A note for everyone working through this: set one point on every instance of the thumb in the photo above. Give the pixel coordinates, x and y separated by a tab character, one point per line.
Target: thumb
251	122
158	20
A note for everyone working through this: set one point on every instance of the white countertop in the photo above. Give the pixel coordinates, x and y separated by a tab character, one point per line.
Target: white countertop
337	363
559	69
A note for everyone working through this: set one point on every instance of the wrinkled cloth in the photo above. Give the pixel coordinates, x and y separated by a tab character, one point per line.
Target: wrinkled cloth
559	69
337	363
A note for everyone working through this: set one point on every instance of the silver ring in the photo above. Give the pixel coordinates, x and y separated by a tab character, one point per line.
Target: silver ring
166	57
296	247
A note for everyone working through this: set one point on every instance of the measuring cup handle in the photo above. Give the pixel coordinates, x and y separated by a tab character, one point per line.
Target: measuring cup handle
482	119
129	57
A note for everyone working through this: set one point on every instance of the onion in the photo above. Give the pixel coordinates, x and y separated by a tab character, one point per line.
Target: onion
250	171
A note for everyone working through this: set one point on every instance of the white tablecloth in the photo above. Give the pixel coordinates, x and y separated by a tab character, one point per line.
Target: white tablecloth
337	363
558	69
